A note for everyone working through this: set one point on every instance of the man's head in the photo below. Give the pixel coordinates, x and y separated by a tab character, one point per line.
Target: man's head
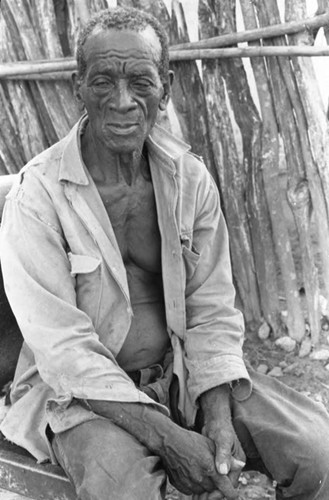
123	77
124	19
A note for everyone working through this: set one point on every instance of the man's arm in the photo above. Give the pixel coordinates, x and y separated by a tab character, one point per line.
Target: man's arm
41	290
215	328
215	331
216	408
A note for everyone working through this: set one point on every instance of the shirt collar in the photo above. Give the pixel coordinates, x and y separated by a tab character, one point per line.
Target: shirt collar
73	169
167	144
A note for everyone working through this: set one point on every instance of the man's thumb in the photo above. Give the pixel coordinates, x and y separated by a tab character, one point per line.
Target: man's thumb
223	460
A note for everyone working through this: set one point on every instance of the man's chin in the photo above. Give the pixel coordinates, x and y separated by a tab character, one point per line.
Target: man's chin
124	143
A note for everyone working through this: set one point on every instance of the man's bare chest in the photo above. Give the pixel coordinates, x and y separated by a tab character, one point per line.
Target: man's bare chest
133	215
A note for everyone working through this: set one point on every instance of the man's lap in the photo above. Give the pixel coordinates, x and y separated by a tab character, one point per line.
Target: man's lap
283	433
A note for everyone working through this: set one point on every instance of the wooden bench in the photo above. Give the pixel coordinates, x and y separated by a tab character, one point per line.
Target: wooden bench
19	471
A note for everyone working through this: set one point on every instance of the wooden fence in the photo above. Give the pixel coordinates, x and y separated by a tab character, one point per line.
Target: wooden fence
271	163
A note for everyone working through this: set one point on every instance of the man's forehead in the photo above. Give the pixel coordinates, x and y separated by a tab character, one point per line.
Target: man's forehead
120	40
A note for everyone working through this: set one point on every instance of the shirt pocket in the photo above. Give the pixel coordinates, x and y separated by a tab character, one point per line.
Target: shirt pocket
83	264
86	271
191	257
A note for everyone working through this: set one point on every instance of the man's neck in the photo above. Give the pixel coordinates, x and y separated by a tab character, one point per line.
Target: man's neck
108	166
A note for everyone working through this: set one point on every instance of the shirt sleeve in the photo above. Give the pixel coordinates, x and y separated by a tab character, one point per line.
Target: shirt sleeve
215	328
68	353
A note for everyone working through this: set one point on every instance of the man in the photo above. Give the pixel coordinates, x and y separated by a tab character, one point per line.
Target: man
116	263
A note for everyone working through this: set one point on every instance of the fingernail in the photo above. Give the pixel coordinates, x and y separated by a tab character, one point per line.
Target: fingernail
240	463
223	469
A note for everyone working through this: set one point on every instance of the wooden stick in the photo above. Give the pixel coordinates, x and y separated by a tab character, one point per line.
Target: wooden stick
260	51
20	68
54	75
16	69
257	33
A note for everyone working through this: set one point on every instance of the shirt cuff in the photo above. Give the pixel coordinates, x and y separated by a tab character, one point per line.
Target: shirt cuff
224	369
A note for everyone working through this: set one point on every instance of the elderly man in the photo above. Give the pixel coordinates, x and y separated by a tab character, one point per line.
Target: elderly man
116	264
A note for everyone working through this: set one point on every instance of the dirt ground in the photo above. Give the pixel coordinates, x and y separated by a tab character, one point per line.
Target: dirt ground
303	374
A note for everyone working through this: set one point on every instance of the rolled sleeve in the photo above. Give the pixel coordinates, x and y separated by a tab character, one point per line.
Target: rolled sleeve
215	328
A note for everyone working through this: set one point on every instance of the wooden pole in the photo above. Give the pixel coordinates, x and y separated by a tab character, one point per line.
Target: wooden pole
261	51
226	147
288	112
188	95
257	33
275	195
313	121
53	75
47	66
20	68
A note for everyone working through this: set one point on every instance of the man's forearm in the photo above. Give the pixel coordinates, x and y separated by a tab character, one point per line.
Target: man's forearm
149	426
215	403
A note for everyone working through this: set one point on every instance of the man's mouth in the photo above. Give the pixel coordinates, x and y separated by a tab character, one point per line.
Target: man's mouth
119	128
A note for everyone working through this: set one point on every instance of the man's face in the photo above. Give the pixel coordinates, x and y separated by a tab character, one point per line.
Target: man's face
122	90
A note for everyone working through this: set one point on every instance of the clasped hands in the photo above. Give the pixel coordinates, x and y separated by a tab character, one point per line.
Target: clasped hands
207	465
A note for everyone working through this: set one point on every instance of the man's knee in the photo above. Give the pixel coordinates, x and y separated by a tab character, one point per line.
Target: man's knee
311	479
144	479
316	470
106	463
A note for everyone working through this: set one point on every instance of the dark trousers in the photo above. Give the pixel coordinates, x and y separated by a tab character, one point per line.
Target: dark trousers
283	433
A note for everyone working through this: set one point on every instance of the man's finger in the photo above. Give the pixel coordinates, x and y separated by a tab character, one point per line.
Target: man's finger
215	495
237	464
224	485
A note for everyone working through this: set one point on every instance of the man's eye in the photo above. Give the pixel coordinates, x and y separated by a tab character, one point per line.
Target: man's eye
102	86
142	84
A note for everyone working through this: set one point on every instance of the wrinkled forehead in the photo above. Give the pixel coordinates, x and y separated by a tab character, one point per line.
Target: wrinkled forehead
123	43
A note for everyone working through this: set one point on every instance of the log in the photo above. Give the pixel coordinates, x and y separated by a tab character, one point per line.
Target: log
323	7
249	123
321	20
19	115
315	123
269	169
288	107
188	95
225	140
55	101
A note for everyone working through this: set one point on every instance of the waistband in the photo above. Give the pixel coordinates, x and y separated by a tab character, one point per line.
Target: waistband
147	376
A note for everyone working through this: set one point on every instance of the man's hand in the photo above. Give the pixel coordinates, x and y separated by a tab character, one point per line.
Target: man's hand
229	455
189	460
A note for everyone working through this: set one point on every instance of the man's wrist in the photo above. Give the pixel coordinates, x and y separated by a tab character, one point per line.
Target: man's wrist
216	402
149	426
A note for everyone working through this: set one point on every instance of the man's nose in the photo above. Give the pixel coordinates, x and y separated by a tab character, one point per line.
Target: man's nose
122	100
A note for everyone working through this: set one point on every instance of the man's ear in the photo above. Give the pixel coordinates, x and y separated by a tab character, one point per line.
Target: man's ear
166	91
77	92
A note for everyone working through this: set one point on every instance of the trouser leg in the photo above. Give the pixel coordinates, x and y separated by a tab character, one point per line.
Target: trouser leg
104	462
286	435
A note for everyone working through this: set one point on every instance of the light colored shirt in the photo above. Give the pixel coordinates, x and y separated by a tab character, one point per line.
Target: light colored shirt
66	282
